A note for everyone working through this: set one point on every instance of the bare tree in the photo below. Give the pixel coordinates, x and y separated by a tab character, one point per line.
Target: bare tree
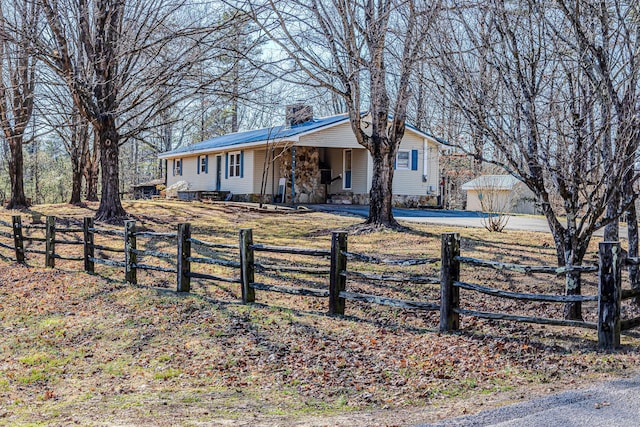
365	52
18	26
58	111
606	36
114	55
512	70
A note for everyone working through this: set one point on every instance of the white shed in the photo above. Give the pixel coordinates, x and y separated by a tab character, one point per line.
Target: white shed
499	193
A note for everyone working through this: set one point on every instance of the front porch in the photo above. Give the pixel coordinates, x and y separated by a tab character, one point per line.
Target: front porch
325	175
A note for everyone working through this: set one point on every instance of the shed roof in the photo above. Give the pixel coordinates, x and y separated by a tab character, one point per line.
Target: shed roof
274	133
150	183
491	182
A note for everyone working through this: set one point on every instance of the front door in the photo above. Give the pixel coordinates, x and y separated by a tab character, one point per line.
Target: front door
218	172
346	170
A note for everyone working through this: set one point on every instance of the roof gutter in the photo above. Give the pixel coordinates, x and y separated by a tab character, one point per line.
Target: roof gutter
188	153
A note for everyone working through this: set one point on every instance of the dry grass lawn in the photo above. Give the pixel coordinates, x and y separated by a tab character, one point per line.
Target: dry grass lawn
93	350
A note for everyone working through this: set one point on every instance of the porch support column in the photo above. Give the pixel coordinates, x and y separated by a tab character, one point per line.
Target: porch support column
293	176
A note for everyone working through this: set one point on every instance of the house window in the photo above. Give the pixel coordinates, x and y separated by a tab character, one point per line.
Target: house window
177	167
403	160
346	169
234	164
203	164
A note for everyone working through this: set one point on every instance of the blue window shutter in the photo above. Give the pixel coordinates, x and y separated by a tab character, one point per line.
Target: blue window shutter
242	164
414	160
206	164
173	167
180	169
226	166
395	162
198	168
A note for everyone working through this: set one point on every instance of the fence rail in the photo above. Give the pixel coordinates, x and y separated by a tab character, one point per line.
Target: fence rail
290	250
320	293
527	269
609	297
401	262
523	296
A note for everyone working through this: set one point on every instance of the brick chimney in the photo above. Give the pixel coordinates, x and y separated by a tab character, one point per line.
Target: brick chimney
298	114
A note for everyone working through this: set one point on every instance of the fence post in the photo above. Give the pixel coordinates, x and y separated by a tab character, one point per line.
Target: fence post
50	242
449	273
247	267
18	239
130	257
89	254
184	253
337	281
609	294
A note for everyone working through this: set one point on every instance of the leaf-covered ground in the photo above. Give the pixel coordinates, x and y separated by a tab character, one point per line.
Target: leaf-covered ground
92	350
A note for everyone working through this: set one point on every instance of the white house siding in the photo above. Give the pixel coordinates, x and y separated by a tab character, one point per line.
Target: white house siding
359	179
406	182
410	182
334	158
207	181
189	172
237	185
339	136
273	174
200	181
359	165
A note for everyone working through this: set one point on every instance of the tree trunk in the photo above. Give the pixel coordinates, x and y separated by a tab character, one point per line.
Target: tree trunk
611	230
574	252
110	208
91	179
632	229
76	182
570	251
91	169
573	310
381	194
16	174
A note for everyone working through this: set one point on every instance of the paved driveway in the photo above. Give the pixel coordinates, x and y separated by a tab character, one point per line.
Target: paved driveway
454	218
440	216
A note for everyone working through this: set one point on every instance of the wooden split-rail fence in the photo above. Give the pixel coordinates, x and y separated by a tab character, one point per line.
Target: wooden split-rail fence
610	295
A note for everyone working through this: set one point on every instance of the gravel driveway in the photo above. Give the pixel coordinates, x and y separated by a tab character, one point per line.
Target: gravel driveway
609	404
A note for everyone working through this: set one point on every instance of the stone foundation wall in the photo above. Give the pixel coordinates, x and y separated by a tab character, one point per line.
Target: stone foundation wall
399	201
253	198
415	201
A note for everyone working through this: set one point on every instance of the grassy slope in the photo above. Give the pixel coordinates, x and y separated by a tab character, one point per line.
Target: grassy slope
93	350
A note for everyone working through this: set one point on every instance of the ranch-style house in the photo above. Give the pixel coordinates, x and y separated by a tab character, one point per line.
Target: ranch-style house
328	165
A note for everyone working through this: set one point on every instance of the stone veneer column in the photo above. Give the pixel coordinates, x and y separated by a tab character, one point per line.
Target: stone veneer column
308	187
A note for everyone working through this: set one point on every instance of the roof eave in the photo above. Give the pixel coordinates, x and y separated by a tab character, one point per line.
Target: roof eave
240	146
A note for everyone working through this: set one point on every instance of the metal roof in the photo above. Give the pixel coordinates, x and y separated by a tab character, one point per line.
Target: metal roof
258	135
491	182
275	133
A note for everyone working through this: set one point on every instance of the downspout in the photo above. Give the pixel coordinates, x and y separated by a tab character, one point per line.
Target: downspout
273	176
425	162
293	176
